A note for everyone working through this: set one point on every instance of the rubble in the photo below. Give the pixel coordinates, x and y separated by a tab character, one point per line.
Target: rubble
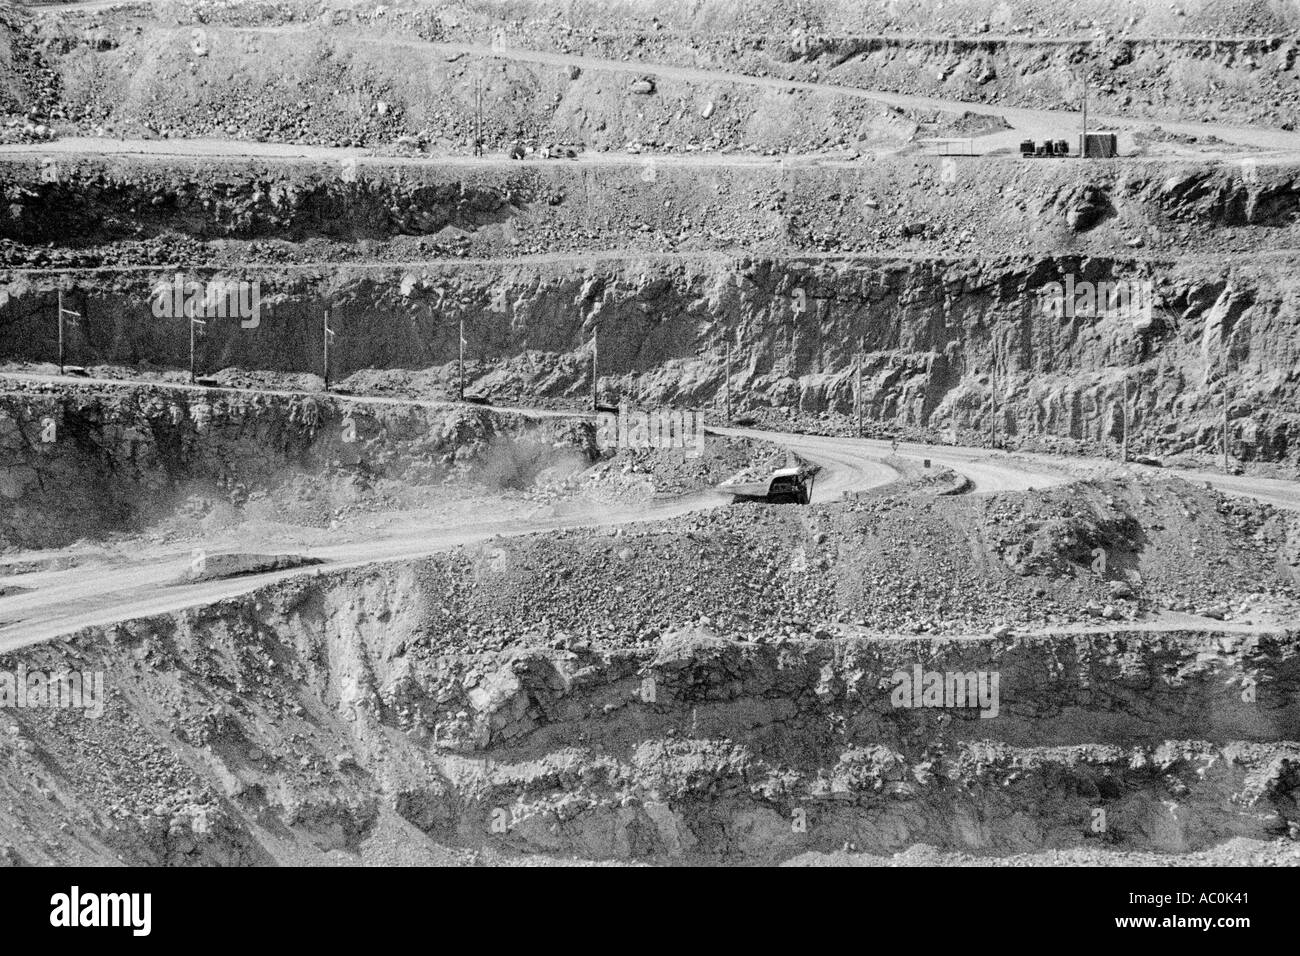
404	604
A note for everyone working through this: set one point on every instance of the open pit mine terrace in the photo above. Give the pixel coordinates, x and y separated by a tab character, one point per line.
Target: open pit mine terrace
1103	667
348	574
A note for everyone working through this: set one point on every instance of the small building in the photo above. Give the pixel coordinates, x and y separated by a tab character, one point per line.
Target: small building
1099	145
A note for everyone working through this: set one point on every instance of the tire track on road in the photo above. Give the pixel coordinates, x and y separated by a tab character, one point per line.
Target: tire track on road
65	601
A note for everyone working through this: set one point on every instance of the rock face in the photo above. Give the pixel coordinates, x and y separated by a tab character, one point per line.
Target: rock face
131	73
333	204
930	333
930	279
98	211
116	459
1087	208
394	84
409	690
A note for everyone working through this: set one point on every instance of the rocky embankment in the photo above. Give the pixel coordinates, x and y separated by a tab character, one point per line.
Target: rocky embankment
950	349
688	691
159	71
87	211
89	461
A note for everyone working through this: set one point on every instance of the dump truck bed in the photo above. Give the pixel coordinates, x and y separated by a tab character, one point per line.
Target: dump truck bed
783	484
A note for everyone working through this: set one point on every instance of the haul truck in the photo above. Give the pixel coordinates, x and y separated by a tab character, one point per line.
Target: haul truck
792	485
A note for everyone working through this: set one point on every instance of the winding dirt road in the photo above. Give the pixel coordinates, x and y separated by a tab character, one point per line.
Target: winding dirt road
1024	122
56	603
98	592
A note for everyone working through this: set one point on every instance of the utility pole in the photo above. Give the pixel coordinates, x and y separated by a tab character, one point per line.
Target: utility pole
1223	374
195	322
857	391
62	313
478	116
60	331
993	387
462	356
327	336
1123	448
1087	64
728	340
1083	140
595	358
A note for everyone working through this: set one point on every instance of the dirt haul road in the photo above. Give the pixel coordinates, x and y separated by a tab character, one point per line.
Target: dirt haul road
1037	123
1023	122
60	602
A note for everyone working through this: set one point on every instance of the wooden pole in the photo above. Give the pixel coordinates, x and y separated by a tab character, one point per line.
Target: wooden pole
191	346
595	359
1123	448
1223	364
60	331
326	336
462	356
993	385
1083	140
478	116
728	380
857	392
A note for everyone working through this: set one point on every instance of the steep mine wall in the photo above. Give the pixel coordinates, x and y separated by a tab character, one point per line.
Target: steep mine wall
157	210
931	273
299	716
204	200
928	333
83	462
